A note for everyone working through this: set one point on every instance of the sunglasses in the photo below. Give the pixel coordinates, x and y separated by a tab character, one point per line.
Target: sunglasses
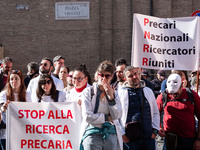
14	71
69	76
45	82
104	75
43	64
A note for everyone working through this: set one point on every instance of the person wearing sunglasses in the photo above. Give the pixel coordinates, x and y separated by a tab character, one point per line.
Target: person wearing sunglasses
46	90
46	66
81	79
101	110
14	91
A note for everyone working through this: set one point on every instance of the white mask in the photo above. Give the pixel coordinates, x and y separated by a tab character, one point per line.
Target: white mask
173	83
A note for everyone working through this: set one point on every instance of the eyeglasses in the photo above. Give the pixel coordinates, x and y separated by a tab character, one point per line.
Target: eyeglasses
43	82
70	76
43	64
79	79
120	72
14	71
104	75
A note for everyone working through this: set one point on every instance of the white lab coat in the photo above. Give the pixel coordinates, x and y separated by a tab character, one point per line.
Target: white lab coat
99	118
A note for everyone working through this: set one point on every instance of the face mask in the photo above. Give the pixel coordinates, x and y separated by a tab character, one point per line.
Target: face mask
173	83
100	82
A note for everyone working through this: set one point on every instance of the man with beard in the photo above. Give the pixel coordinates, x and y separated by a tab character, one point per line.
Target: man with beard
6	67
46	66
70	84
138	108
33	71
58	62
120	65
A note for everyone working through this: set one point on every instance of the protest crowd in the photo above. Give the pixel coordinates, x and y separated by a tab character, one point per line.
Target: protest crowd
121	108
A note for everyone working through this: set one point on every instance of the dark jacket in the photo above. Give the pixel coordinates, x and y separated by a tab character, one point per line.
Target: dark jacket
157	86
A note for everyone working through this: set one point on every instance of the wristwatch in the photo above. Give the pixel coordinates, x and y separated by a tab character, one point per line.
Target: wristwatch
155	131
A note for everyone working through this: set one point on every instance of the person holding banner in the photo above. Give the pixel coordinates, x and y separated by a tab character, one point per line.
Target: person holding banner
101	110
15	90
46	90
179	106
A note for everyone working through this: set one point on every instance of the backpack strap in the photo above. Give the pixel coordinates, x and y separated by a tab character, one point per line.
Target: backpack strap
98	94
57	95
93	91
190	95
164	98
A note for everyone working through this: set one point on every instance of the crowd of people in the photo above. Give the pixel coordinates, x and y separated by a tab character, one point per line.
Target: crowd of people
121	107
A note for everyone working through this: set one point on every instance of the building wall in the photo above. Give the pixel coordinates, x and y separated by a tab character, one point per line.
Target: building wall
30	35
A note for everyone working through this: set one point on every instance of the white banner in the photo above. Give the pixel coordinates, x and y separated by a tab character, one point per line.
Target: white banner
165	43
33	126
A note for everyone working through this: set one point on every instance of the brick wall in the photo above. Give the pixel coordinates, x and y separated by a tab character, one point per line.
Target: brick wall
30	35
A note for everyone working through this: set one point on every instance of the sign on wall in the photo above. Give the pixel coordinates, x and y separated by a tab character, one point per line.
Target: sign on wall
165	43
32	126
72	10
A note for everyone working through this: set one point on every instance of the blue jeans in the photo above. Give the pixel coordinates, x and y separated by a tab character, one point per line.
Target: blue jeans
143	144
183	144
2	144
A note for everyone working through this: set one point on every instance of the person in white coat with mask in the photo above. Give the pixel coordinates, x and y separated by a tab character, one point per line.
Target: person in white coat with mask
101	110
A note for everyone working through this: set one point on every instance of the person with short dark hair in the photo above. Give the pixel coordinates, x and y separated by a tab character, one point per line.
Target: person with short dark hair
158	81
58	62
120	65
70	84
6	66
33	71
147	82
138	106
120	61
145	74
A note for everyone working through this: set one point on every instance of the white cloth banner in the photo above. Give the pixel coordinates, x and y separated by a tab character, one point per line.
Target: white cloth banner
32	126
165	43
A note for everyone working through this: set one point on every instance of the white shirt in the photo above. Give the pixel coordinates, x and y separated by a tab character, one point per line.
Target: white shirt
32	87
61	97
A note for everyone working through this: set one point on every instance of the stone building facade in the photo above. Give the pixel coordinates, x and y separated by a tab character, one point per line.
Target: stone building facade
31	34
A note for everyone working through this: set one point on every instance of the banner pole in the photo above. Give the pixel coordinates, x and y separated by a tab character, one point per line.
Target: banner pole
197	81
